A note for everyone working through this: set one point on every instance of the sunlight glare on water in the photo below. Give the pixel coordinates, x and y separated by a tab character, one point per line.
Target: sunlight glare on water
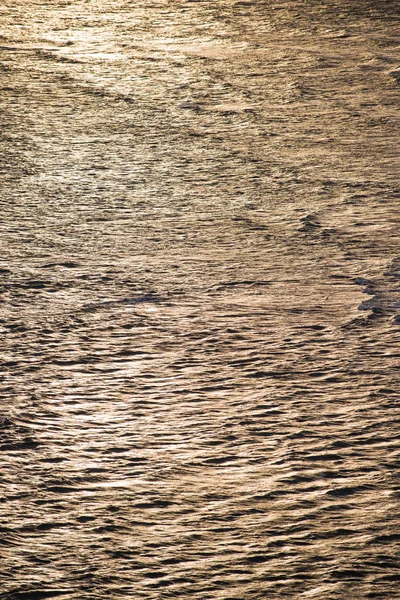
199	302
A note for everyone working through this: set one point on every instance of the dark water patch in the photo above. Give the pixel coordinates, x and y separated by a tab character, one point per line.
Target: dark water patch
38	594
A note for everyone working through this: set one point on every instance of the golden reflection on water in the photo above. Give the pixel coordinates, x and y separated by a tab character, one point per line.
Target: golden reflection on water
199	301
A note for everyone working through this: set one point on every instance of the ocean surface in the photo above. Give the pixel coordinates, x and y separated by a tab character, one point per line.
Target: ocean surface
199	300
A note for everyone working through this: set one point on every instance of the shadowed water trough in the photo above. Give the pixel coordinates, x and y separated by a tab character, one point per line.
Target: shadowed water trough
200	300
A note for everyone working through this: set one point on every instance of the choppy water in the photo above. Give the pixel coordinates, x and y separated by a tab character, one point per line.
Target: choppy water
200	299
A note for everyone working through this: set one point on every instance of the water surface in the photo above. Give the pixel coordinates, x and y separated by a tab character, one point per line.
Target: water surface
200	297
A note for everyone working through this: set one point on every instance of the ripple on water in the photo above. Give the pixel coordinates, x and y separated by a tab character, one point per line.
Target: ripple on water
198	398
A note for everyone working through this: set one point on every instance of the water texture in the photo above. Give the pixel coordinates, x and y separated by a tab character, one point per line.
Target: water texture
199	300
